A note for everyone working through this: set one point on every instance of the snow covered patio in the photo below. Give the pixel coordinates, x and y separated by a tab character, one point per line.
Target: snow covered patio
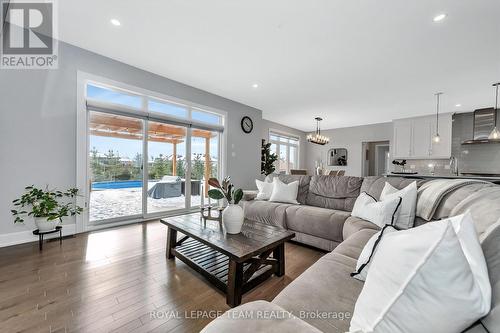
110	203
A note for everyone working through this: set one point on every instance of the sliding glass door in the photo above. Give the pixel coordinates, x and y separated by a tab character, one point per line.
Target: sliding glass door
166	167
205	164
115	166
144	159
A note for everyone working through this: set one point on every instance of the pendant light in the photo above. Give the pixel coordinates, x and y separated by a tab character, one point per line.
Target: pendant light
495	134
436	137
317	138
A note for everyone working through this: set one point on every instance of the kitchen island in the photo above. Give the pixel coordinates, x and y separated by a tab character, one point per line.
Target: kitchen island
493	179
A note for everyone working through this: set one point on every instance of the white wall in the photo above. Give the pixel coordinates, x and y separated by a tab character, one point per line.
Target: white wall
38	126
350	138
267	125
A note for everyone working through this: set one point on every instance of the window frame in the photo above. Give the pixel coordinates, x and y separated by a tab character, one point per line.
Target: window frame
288	144
83	79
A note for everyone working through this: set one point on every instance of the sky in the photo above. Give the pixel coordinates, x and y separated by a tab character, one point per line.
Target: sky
129	148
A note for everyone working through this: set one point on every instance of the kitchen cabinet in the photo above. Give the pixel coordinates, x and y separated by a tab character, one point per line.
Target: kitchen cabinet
413	137
402	138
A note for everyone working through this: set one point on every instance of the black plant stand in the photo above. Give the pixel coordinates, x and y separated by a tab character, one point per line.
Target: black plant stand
42	233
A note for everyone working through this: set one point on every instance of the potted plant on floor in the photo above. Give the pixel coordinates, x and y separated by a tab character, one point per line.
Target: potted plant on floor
47	207
232	215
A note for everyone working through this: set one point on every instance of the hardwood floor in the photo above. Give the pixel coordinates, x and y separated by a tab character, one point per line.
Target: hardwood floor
116	280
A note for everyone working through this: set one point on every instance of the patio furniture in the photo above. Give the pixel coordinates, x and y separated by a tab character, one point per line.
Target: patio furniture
167	187
195	187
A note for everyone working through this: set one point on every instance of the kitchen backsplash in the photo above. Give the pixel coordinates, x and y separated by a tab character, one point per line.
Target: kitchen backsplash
439	167
477	158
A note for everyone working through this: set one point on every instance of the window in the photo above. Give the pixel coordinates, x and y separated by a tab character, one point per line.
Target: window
157	106
206	117
167	108
113	96
286	146
148	155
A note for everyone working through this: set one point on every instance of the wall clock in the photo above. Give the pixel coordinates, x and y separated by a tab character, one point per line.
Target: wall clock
246	124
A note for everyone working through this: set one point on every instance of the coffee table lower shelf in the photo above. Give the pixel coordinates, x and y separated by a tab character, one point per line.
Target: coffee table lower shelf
232	278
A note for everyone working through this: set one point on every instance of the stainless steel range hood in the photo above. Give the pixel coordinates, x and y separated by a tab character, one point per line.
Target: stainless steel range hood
484	122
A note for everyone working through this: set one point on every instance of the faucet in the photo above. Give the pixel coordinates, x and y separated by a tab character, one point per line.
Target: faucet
454	165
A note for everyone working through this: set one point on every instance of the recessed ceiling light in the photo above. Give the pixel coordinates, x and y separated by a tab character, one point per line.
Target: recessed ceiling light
115	22
439	17
255	85
458	105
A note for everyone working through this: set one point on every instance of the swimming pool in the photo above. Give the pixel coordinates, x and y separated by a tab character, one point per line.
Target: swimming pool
116	184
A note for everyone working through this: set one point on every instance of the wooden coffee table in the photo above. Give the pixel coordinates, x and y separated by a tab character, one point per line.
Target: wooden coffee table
233	263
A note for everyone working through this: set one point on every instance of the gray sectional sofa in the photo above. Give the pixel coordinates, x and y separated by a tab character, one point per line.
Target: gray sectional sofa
323	220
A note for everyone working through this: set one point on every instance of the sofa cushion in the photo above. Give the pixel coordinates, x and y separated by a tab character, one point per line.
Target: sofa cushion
354	224
316	221
258	316
437	270
317	242
373	185
303	184
353	246
266	212
491	249
333	192
326	286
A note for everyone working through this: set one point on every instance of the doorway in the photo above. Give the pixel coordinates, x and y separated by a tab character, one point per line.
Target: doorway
376	156
141	157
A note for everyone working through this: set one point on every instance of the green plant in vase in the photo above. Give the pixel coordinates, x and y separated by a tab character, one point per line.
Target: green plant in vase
232	215
47	207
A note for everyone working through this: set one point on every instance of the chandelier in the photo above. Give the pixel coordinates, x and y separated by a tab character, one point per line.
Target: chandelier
317	138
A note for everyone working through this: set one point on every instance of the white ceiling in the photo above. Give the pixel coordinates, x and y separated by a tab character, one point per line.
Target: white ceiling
352	62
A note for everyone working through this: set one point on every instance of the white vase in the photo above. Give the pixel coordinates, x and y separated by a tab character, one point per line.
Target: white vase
43	225
232	218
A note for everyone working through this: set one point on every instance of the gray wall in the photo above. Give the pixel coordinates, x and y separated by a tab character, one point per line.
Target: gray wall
267	125
38	124
351	138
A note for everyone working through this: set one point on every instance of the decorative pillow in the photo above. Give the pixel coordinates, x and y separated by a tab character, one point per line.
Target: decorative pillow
363	264
284	192
377	212
432	278
265	190
406	215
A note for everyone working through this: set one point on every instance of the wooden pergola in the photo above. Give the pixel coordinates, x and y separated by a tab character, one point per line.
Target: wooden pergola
109	125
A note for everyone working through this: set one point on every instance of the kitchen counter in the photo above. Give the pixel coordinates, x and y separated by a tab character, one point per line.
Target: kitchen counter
495	180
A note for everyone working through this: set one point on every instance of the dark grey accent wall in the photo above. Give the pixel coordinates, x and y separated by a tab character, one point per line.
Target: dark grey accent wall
38	124
478	158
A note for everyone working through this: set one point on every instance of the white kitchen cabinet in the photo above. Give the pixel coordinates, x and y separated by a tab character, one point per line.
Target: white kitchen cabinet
402	138
413	137
422	137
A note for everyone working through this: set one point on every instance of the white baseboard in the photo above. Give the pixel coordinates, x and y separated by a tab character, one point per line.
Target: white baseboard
27	236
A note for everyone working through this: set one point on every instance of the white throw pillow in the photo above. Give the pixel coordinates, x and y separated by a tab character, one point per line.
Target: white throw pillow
377	212
406	216
265	190
284	192
432	278
366	256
